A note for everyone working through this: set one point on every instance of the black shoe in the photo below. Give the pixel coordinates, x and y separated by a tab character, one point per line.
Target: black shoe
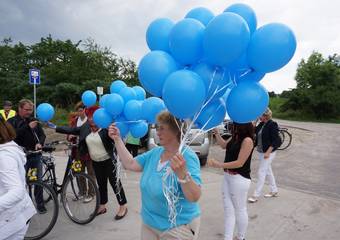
118	217
41	209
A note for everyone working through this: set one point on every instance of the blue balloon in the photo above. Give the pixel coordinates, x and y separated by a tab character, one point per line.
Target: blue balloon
151	107
89	98
102	118
271	47
225	39
128	94
215	79
246	12
139	129
153	69
184	93
186	39
45	112
157	34
133	110
123	127
201	14
211	115
114	104
247	101
102	100
140	92
240	64
117	85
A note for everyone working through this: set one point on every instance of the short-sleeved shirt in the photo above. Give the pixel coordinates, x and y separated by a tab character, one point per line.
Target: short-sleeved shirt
154	204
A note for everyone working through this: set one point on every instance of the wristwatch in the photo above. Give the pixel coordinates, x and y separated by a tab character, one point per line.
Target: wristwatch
186	179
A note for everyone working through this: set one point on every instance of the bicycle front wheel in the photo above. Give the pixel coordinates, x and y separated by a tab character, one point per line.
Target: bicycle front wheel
47	212
80	198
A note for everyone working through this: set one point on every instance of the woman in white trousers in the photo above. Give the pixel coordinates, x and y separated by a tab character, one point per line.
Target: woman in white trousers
236	179
267	141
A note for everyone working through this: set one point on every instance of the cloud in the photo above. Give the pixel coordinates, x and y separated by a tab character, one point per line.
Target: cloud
121	25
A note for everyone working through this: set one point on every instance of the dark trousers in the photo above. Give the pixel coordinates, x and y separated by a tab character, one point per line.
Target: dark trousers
106	170
133	149
34	161
84	188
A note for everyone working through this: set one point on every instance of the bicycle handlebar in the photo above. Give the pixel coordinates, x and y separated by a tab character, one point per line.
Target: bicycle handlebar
49	147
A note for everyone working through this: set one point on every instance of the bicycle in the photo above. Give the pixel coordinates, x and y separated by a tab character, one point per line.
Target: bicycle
70	190
286	138
72	186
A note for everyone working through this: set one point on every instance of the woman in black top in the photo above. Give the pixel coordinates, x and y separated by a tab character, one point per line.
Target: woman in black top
236	180
267	141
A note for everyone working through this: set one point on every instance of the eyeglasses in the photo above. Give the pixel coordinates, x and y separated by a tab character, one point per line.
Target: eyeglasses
28	109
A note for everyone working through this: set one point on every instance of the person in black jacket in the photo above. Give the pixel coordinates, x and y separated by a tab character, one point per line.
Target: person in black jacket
267	141
31	137
96	142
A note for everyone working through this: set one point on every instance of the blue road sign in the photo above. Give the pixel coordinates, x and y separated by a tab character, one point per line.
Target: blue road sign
34	76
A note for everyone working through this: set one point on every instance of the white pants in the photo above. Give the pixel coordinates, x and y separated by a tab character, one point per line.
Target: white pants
265	169
19	235
234	192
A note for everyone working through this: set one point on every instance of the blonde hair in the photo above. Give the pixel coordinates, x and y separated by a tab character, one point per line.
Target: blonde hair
268	113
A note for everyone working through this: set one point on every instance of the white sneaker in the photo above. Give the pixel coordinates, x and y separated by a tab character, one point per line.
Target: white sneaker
78	197
87	199
271	194
252	199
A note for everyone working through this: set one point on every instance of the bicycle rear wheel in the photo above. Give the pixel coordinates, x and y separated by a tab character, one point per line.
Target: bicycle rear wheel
42	222
286	139
77	208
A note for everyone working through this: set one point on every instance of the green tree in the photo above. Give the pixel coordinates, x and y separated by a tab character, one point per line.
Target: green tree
67	69
318	88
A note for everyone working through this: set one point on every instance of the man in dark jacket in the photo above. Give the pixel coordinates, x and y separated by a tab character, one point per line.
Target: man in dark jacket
30	136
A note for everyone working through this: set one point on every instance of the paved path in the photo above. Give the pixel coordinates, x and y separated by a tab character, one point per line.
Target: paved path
308	206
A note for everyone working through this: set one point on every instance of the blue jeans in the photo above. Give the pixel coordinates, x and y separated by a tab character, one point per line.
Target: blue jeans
34	161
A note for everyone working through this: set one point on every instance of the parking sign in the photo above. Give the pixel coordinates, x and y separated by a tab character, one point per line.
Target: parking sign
34	76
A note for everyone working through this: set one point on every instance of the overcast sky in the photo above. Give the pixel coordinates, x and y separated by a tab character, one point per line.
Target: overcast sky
121	25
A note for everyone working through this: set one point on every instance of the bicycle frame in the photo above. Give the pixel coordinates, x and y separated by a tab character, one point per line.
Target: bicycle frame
71	167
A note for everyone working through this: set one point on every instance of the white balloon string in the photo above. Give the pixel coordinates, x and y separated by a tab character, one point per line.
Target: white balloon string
185	139
246	72
172	196
118	171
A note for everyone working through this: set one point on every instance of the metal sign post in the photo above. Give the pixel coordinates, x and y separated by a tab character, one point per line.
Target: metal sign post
34	78
100	91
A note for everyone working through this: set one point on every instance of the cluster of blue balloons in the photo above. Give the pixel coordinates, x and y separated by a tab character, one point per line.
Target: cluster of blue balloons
127	106
194	62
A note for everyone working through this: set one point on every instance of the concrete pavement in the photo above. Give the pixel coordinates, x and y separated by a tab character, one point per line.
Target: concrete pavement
292	215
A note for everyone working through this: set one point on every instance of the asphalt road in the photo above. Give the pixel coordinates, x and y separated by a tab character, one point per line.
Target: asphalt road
308	206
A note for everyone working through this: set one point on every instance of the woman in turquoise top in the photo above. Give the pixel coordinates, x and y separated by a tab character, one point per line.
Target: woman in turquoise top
154	165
